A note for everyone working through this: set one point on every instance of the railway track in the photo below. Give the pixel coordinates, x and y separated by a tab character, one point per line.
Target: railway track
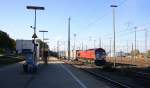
143	75
114	83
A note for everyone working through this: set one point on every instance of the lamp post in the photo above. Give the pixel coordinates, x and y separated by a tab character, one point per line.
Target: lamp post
35	8
114	29
43	45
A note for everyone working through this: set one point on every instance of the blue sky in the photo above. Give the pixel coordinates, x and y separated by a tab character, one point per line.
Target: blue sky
89	18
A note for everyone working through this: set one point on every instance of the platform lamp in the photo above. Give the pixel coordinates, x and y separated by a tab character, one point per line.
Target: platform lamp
35	8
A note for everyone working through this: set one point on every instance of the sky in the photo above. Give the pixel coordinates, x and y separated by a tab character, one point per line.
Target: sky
90	20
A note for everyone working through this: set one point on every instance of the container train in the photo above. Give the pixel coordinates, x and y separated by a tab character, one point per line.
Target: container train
97	55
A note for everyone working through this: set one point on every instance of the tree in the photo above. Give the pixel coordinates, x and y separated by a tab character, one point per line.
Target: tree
6	43
148	53
46	47
3	39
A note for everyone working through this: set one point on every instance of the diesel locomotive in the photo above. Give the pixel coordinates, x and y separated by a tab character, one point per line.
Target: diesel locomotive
97	55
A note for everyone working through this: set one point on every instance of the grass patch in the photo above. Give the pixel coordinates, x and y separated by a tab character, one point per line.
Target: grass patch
6	60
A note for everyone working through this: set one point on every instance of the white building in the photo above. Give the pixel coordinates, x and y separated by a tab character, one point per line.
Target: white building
26	44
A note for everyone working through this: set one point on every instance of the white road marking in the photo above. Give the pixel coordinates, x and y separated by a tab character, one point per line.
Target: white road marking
77	80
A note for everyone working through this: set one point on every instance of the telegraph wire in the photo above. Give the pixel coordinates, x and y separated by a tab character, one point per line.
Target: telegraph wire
130	30
102	17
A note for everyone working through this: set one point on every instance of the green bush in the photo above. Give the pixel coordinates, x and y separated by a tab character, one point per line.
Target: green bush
2	51
148	53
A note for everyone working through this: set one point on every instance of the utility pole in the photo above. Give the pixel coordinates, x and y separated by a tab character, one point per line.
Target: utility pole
74	47
100	43
69	38
64	46
74	41
21	45
90	39
110	50
127	47
55	48
82	45
79	48
58	48
132	54
94	42
146	40
135	43
86	47
114	29
110	47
